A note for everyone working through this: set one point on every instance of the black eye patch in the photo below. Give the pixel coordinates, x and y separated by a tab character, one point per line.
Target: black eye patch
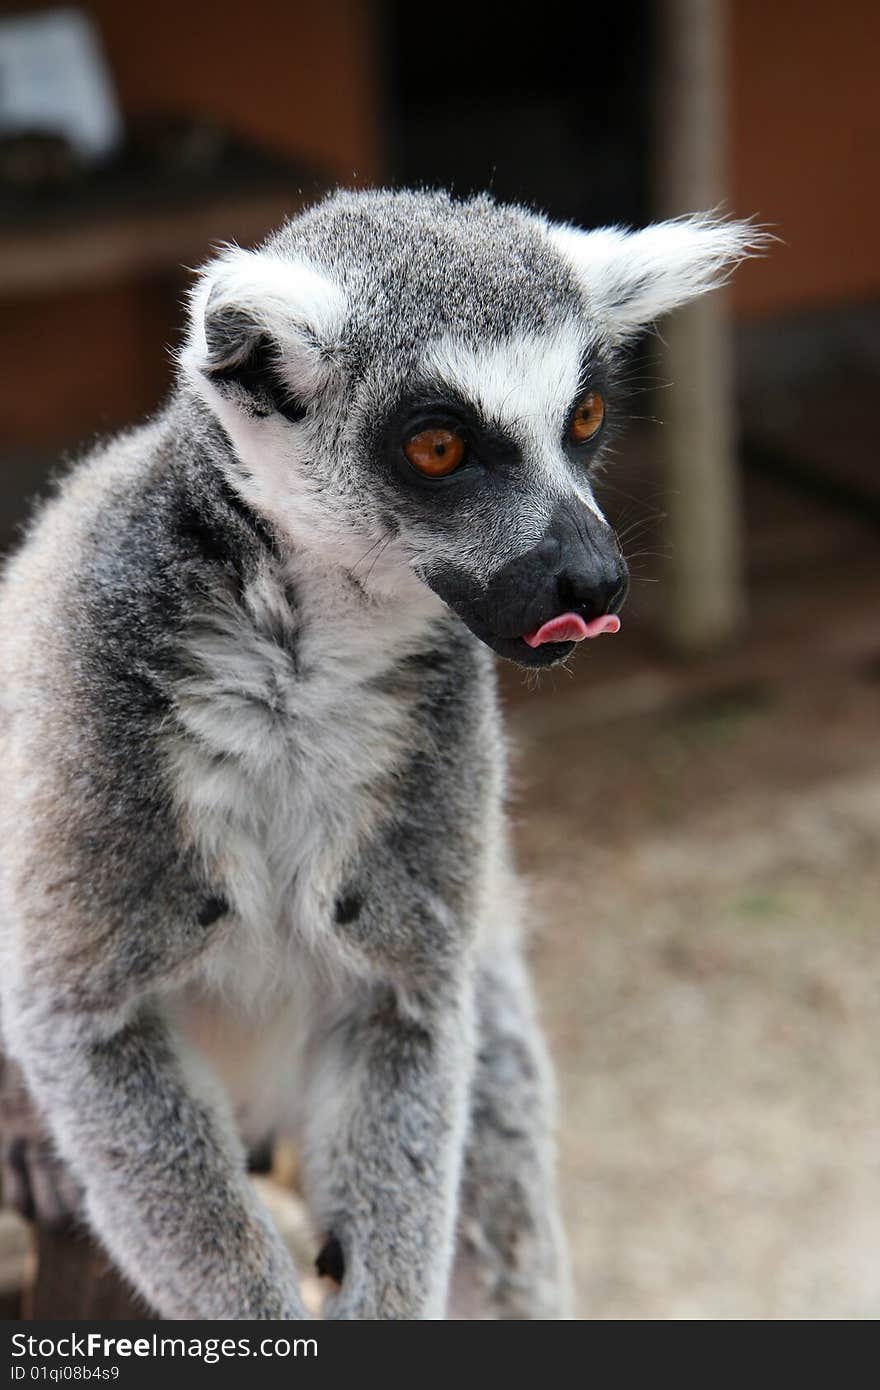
487	445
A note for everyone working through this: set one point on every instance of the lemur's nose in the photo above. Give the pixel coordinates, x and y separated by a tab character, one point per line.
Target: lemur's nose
586	580
592	590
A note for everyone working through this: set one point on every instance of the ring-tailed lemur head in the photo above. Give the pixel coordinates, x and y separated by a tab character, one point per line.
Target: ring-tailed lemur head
418	390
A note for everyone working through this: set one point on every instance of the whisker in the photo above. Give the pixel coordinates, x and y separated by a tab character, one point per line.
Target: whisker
377	558
639	526
367	552
649	555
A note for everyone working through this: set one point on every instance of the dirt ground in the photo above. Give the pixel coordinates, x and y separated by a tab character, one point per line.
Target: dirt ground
706	881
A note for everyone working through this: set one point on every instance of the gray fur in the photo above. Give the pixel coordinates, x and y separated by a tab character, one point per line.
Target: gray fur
254	859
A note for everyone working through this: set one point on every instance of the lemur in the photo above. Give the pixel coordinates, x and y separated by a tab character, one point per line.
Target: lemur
255	872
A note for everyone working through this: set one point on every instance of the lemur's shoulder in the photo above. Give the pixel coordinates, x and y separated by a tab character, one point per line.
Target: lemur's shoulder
112	561
92	607
62	527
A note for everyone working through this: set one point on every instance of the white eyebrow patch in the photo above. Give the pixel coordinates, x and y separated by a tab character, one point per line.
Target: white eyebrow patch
525	384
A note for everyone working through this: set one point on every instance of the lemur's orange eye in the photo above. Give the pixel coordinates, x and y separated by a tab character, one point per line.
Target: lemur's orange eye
587	419
435	452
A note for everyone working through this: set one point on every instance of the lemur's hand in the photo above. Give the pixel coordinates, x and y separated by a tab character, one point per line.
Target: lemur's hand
35	1182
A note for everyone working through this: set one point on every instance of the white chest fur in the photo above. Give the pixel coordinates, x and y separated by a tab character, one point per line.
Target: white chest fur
282	757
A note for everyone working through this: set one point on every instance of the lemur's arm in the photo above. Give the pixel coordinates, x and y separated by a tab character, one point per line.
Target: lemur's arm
512	1259
383	1153
162	1169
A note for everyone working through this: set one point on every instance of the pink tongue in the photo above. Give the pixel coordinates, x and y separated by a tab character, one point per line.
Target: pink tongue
570	627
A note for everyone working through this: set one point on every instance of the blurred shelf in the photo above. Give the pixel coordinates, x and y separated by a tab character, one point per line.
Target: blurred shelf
96	251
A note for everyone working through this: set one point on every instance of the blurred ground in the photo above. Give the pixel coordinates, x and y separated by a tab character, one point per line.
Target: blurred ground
703	851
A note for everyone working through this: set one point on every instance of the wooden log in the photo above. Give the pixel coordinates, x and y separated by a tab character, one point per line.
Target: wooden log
75	1279
16	1262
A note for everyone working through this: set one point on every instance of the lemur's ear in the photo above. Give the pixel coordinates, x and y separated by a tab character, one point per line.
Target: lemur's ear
262	331
633	278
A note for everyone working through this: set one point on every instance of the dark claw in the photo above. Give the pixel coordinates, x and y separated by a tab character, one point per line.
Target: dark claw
330	1262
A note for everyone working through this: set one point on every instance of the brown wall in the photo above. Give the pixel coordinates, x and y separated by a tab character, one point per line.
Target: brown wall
805	134
295	74
805	148
300	80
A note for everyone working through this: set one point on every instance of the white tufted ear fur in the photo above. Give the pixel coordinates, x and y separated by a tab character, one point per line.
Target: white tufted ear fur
263	340
249	299
633	278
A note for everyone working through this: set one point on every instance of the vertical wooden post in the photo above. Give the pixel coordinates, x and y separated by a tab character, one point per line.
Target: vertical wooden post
707	593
